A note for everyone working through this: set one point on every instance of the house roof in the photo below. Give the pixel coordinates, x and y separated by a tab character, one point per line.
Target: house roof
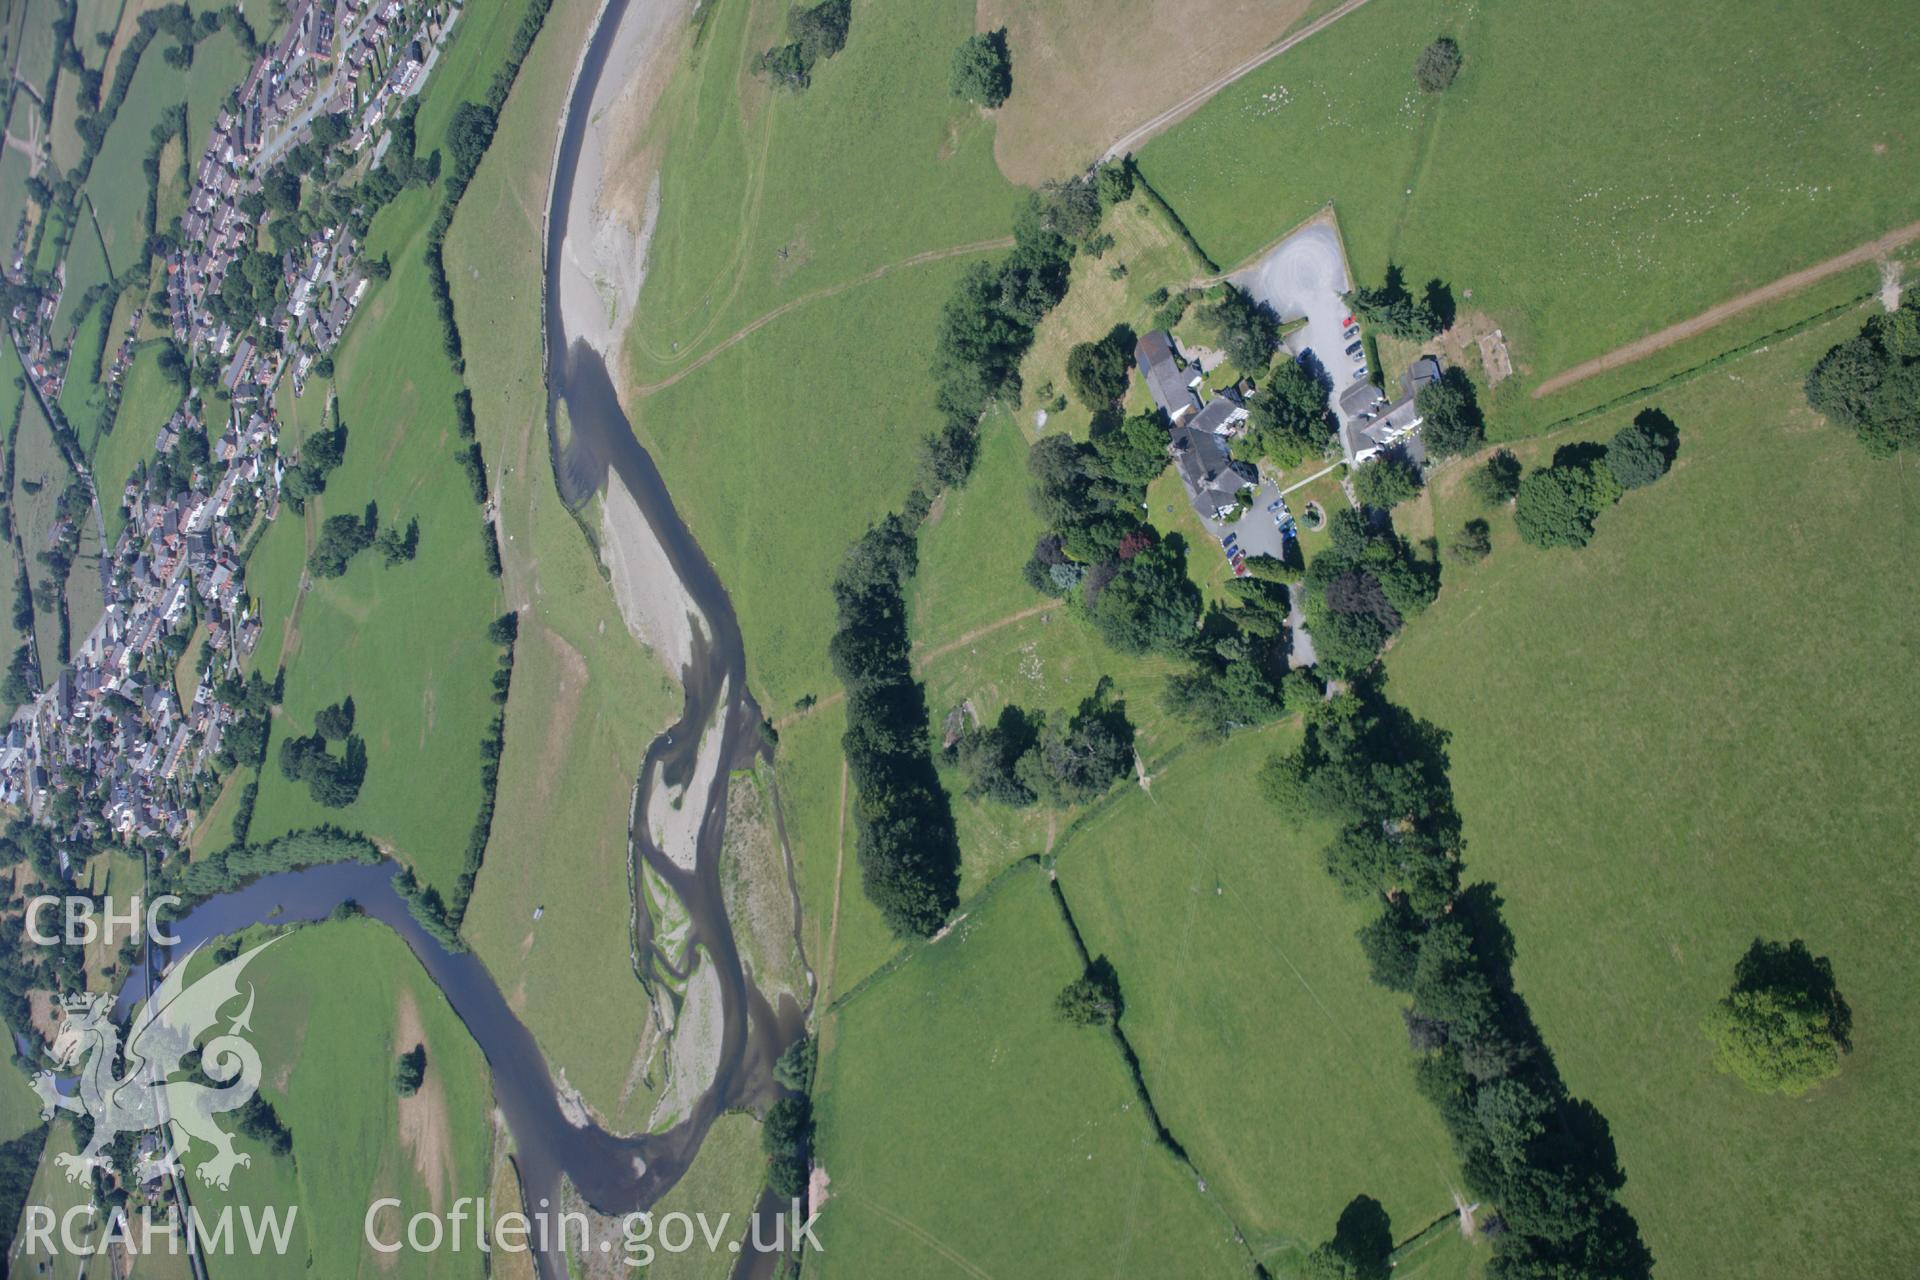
1362	440
1220	414
1170	385
1212	478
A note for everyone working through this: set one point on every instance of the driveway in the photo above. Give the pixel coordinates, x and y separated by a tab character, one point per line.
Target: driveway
1304	275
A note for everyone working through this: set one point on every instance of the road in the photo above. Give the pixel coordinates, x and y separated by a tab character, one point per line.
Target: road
1134	137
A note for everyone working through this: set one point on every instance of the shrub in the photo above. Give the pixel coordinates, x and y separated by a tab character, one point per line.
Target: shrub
1495	481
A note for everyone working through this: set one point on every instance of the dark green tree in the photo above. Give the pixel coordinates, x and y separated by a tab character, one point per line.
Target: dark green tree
1438	64
1784	1025
983	69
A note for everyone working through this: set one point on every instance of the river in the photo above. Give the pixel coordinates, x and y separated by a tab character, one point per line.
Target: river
615	1174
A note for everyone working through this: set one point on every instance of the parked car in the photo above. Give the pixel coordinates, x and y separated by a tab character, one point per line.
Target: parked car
1354	350
1360	373
1347	323
1353	330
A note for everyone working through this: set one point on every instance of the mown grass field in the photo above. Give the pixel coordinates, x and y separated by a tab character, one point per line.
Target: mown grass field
1695	731
966	1128
586	697
335	1003
1584	199
409	643
725	1178
782	449
1234	948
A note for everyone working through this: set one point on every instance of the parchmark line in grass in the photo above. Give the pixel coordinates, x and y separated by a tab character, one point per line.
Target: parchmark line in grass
921	1234
817	295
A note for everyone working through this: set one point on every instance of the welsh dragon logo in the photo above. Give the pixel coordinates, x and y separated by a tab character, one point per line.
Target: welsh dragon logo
164	1033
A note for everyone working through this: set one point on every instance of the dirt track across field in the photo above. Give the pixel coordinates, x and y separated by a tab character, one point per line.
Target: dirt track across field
1640	348
1132	139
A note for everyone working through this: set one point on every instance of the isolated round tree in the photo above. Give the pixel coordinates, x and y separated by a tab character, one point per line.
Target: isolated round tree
1784	1026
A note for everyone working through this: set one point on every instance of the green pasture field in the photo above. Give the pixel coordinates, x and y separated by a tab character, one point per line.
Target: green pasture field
966	1127
148	398
1587	181
586	697
37	460
86	267
15	204
766	200
94	18
117	183
1235	948
1690	733
34	54
335	1001
52	1191
777	483
409	642
766	197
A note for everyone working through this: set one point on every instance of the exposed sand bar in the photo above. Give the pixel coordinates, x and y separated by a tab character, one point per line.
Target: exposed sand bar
598	271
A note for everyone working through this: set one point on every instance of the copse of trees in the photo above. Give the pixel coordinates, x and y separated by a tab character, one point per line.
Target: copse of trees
1093	999
1360	589
1099	371
905	842
1246	329
1393	310
1871	382
1288	420
983	69
1024	757
332	781
1556	505
342	537
1784	1025
410	1071
787	1138
1496	480
815	33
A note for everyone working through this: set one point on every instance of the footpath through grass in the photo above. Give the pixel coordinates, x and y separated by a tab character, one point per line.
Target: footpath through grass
1698	730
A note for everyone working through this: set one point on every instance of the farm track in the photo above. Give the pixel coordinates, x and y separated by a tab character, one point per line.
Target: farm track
1713	316
1193	101
832	290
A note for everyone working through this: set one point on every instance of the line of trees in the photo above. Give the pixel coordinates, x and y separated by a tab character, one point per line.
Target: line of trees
503	631
1540	1157
908	852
